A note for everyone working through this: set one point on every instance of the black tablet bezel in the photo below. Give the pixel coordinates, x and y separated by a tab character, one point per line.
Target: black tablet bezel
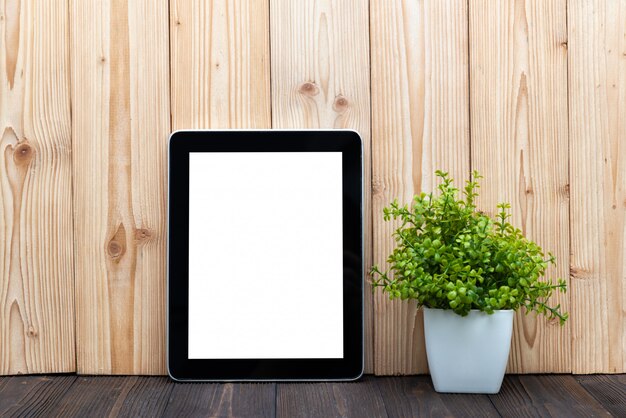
179	366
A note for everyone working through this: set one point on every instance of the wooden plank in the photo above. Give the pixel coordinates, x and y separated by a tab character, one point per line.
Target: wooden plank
398	396
220	64
89	396
219	58
597	104
120	97
518	117
113	396
143	397
610	391
320	79
36	242
545	396
420	123
32	395
353	399
415	396
222	400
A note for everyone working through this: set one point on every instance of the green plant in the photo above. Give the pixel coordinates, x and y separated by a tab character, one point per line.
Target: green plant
451	256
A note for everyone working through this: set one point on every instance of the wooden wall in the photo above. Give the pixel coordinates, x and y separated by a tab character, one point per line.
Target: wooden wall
530	93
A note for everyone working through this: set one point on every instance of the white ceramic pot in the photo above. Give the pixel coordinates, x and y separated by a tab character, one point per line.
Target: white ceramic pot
467	354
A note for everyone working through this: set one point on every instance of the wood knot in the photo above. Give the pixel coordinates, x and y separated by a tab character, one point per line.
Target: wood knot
102	59
142	234
32	332
564	44
554	322
341	104
580	273
23	153
529	190
309	89
115	249
565	190
377	186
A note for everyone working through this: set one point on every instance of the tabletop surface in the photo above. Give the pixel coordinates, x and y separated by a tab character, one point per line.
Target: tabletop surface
133	396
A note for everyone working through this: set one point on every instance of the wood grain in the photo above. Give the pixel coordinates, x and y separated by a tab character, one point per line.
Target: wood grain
416	397
132	396
120	96
420	123
220	64
85	112
112	396
322	400
320	79
36	241
143	397
518	114
609	391
28	396
546	396
222	400
597	105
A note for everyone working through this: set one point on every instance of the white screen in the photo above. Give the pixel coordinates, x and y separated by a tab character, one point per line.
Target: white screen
265	255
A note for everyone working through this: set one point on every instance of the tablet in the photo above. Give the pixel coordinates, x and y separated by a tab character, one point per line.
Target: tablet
265	255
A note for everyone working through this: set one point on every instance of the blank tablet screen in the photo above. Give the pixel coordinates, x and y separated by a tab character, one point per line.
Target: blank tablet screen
265	255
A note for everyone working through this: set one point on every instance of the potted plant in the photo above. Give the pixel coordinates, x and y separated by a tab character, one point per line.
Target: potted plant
470	273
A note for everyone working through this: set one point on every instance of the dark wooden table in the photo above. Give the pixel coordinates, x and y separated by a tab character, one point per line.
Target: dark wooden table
133	396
